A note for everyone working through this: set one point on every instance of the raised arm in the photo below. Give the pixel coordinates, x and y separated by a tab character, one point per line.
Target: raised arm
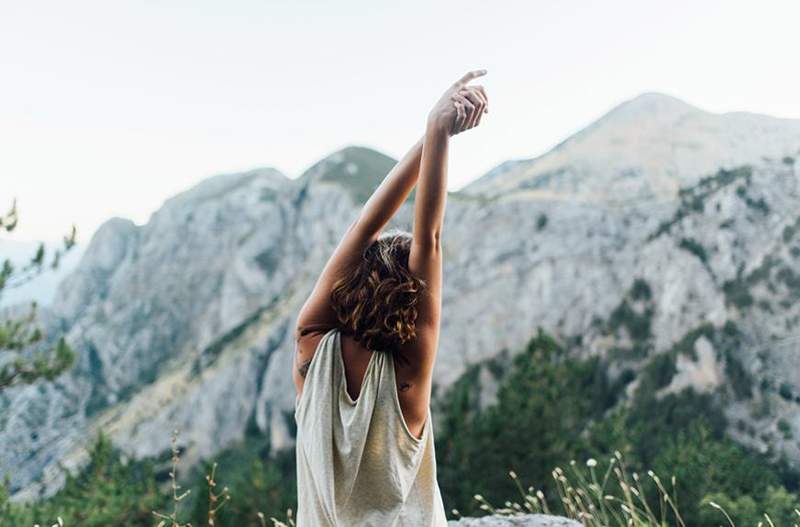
459	109
317	313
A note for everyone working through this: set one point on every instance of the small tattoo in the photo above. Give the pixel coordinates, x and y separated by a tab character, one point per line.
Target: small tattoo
404	387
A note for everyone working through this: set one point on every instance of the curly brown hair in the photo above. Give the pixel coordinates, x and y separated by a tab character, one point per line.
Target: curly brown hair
376	301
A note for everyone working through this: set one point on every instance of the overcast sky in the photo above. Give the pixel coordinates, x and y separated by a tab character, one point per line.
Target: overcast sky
108	108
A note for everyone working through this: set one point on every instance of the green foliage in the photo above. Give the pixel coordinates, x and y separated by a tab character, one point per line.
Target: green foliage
637	324
737	291
694	247
45	366
634	314
785	428
693	198
659	372
686	344
552	408
757	204
640	290
108	491
19	334
360	170
790	279
779	503
790	230
740	380
543	406
257	481
703	462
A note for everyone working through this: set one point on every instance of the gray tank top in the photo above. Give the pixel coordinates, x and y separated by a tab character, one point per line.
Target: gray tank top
357	462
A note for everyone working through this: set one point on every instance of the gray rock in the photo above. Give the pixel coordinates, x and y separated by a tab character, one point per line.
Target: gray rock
528	520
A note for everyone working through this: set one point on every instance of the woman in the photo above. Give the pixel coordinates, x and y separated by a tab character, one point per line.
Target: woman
366	340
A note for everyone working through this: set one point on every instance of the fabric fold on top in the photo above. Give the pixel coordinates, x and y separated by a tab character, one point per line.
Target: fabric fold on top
357	462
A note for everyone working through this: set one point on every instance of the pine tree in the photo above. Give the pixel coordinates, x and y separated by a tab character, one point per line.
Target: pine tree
18	335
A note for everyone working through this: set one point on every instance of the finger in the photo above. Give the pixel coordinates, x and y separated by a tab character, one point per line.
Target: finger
469	110
470	122
481	105
469	106
482	92
480	114
478	89
474	117
474	74
460	116
477	103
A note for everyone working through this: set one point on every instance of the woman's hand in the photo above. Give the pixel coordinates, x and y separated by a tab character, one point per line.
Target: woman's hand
460	107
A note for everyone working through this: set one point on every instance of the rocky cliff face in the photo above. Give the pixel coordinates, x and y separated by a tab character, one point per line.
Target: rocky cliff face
528	520
658	224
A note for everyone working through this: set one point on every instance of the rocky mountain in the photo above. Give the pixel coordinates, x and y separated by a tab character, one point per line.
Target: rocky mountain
648	147
660	231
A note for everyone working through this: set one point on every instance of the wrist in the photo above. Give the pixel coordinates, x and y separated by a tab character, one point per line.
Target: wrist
437	126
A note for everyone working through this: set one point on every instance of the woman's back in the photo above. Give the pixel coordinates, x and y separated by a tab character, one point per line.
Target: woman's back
357	461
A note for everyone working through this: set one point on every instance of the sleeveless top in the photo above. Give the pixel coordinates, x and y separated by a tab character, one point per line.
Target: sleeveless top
358	464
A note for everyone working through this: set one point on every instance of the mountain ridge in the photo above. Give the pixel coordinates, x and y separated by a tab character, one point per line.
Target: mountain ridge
596	161
185	322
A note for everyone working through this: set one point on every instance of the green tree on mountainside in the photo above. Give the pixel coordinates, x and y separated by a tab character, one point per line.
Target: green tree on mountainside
109	490
553	407
18	334
543	406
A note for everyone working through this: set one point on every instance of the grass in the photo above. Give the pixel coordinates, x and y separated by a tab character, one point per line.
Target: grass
216	499
610	497
596	494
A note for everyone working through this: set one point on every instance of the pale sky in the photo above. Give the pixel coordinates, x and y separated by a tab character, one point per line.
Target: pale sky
107	108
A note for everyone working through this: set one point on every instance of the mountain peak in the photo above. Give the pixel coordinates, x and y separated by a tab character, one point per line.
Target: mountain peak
358	169
652	107
350	153
654	102
646	147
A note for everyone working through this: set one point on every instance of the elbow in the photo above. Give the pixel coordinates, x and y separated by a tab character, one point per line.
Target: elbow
431	241
436	240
